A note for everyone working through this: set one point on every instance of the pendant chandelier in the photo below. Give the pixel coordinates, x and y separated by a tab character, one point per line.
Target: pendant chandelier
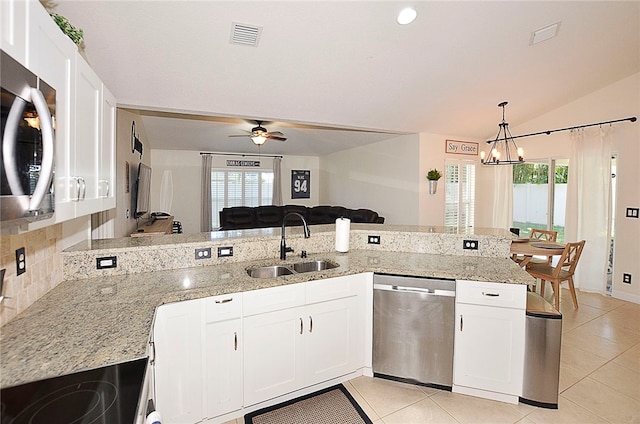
503	150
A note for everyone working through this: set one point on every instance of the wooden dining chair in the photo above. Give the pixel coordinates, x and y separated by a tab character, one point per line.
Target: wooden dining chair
542	235
563	271
538	235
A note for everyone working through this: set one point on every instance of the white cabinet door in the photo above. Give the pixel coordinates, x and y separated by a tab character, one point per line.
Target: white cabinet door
52	56
107	156
86	143
222	354
331	339
14	27
222	363
273	354
489	348
177	336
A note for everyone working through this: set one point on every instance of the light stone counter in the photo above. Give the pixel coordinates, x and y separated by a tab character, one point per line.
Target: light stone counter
88	323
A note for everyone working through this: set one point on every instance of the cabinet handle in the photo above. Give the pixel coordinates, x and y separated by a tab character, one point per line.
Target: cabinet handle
301	329
235	341
461	323
82	188
490	294
224	300
310	324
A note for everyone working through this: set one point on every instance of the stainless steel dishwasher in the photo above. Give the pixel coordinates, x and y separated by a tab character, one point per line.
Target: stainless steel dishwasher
413	329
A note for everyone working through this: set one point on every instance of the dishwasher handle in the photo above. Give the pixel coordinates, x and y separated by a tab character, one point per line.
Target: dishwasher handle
431	292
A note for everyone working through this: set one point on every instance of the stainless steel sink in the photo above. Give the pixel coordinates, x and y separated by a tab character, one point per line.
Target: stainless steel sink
313	266
272	271
269	271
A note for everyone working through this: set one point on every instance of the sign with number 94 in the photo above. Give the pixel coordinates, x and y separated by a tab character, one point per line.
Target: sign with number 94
300	184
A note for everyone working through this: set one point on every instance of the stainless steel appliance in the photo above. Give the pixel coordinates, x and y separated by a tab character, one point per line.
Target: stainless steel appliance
27	154
413	329
543	337
105	395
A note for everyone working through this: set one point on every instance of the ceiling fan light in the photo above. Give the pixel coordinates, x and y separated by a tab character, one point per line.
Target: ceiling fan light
258	140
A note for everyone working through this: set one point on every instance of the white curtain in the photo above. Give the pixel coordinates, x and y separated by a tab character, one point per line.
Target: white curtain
205	195
588	207
277	182
502	196
166	191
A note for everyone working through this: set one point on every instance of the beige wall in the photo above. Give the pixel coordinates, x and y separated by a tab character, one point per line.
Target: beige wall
185	168
382	176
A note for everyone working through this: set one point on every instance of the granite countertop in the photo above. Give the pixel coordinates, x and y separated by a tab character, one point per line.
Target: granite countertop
84	324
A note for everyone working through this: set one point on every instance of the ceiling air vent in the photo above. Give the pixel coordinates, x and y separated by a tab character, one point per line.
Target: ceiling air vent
246	35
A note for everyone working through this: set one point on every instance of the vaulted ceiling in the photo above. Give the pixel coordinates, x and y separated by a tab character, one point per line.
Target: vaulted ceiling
348	66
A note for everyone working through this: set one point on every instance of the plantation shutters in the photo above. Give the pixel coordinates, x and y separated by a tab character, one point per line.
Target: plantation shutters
460	190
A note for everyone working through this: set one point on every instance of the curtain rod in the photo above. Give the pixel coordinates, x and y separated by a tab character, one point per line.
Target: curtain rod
241	154
632	119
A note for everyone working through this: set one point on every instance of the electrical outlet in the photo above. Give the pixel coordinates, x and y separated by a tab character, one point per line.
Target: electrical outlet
224	252
203	253
21	261
470	244
633	213
373	240
106	262
626	278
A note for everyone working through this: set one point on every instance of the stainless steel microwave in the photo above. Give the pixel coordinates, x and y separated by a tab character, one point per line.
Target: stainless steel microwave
27	158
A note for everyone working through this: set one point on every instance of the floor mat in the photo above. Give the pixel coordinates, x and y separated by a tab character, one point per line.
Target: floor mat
329	406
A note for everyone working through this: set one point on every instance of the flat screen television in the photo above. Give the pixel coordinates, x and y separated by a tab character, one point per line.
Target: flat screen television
142	191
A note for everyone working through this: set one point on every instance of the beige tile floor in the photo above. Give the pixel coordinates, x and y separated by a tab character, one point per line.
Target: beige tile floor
599	377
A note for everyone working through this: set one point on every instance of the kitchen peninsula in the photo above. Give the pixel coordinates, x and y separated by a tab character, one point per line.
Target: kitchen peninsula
107	318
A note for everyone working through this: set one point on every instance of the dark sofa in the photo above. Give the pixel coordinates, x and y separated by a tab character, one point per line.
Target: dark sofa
243	217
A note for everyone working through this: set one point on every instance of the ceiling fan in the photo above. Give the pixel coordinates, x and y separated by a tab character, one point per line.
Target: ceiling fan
259	135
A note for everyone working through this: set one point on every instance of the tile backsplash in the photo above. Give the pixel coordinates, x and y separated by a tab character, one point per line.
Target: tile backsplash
43	268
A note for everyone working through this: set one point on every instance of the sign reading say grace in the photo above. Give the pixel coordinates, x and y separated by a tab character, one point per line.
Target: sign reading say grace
461	147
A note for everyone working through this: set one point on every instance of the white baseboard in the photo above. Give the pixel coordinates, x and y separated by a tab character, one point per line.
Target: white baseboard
635	298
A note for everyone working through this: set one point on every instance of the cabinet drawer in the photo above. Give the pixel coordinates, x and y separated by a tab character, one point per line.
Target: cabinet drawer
273	299
491	294
223	307
330	289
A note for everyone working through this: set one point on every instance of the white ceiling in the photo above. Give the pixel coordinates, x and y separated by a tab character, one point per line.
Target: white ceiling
349	65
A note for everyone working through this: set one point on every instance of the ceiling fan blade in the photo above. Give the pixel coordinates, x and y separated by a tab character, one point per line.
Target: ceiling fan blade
240	135
276	133
274	137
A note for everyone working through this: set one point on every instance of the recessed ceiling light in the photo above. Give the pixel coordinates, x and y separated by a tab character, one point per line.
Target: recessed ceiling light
406	16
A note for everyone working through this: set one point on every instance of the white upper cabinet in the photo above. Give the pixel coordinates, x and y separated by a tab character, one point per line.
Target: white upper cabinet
52	57
85	109
107	157
13	29
87	134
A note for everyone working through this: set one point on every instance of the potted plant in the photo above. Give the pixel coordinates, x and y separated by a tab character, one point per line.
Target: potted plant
433	176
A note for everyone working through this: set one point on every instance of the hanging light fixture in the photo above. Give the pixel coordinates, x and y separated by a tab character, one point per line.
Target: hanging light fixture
503	150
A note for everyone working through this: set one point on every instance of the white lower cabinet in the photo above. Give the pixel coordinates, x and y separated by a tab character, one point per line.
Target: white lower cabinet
489	339
222	354
307	340
177	338
216	355
273	355
198	358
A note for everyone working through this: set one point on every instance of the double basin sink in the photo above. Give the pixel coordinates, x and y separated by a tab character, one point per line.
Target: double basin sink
272	271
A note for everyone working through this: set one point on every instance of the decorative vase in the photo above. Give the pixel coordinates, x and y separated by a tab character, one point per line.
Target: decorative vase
433	185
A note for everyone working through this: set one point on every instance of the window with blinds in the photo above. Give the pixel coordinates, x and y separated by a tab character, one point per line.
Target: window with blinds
239	188
460	193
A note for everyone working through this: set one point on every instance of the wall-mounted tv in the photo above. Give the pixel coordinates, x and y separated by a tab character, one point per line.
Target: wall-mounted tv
142	190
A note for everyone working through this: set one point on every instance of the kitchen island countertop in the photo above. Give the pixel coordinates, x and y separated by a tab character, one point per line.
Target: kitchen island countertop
84	324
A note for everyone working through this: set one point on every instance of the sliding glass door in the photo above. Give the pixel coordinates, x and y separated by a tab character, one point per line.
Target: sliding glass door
540	196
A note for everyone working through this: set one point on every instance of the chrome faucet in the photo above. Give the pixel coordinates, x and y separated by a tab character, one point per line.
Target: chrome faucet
283	244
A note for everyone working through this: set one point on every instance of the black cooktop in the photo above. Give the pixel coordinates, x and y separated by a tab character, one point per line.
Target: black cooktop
106	395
